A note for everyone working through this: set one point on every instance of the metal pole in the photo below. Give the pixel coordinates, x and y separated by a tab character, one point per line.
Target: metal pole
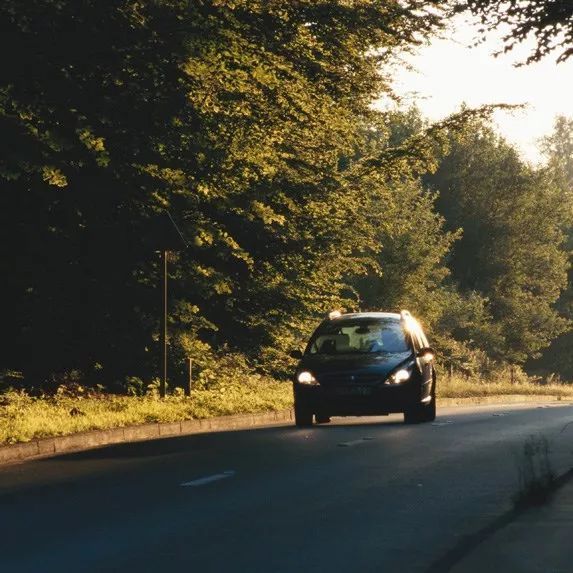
163	326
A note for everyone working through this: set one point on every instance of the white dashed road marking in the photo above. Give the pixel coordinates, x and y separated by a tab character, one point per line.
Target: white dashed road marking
354	442
209	479
445	423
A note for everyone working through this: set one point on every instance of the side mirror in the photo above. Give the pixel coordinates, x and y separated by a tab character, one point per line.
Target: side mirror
295	354
427	354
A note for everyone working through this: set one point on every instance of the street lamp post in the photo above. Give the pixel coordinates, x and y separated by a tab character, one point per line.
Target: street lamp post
163	325
171	239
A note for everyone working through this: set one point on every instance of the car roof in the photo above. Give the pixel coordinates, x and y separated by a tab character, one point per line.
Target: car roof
367	315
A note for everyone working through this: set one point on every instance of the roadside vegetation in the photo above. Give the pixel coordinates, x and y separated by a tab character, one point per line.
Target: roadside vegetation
462	387
251	125
75	408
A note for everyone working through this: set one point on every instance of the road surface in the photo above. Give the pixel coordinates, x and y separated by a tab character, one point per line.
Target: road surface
360	494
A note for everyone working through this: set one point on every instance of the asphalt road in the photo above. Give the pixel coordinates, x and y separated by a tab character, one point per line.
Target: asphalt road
360	494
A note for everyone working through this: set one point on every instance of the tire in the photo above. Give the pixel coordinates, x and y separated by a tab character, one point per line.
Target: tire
412	415
430	410
421	413
302	414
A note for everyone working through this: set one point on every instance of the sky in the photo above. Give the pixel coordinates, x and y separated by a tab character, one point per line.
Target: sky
449	72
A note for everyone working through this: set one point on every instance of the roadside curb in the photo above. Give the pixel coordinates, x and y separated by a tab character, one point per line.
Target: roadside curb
46	447
500	399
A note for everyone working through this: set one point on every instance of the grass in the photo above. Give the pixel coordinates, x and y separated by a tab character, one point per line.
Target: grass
460	387
24	418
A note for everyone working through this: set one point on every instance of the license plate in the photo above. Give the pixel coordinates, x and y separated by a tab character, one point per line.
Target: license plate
354	391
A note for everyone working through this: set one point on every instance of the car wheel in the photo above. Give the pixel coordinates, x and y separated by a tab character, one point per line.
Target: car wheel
430	410
412	415
302	414
421	413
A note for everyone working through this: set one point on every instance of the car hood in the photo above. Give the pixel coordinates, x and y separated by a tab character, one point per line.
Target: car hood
373	368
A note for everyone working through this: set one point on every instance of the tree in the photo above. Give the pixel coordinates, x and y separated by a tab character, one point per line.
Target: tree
558	150
232	114
549	21
512	249
414	248
411	244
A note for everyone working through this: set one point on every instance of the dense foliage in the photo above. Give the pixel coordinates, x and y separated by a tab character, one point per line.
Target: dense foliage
230	114
558	150
550	22
250	123
511	251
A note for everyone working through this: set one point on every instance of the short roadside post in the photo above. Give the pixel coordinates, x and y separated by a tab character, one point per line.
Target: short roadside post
189	383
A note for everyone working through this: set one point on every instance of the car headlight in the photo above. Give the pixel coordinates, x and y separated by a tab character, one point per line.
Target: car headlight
306	377
400	375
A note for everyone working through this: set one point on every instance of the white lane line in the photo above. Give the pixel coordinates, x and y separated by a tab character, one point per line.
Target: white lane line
354	442
446	423
208	479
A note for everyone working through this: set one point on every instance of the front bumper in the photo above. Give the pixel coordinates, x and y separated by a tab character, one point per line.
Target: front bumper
358	400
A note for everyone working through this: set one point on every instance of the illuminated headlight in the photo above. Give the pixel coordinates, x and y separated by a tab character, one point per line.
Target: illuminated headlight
399	376
306	377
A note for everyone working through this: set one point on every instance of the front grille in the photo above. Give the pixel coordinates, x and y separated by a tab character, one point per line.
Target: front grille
346	379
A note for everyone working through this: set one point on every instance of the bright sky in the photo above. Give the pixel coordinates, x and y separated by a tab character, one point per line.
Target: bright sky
448	73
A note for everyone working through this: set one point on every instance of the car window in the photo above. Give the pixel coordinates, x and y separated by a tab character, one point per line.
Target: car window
359	337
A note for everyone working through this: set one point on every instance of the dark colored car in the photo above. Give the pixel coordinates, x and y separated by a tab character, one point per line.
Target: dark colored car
366	363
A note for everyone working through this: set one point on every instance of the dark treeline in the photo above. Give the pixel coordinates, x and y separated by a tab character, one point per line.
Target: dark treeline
251	123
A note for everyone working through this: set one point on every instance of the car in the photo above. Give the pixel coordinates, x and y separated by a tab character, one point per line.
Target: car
365	363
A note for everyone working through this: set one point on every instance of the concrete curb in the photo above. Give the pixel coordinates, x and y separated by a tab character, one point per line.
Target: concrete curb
46	447
502	399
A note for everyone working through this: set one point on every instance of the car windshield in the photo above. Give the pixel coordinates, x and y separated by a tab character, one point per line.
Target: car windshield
359	336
